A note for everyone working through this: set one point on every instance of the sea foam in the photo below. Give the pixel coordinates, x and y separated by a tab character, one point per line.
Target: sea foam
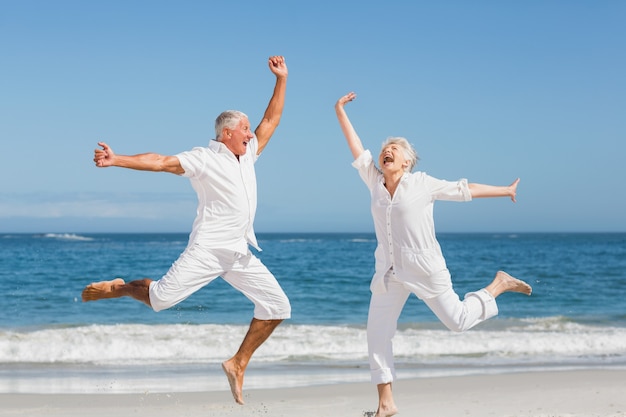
548	340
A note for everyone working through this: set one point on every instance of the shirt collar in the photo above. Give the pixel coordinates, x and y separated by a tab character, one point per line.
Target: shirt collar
218	147
403	178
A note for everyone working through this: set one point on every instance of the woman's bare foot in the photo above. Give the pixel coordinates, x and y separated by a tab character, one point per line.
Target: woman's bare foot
386	412
235	380
100	290
386	404
503	282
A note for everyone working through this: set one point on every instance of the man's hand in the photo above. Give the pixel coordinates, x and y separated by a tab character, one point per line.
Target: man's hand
513	190
277	66
103	157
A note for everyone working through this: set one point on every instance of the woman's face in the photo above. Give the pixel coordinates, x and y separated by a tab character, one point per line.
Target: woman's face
392	159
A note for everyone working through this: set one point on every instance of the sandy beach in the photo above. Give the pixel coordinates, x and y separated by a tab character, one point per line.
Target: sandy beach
580	393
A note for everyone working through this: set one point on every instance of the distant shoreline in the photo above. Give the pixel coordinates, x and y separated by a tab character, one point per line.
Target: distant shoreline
318	233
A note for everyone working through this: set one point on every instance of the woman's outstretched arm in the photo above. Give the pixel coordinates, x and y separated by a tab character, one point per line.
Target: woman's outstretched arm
483	190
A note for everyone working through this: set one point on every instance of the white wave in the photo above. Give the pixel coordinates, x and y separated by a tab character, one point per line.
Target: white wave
299	240
67	236
533	342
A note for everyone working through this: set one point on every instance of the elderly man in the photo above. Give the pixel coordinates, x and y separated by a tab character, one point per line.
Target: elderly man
224	178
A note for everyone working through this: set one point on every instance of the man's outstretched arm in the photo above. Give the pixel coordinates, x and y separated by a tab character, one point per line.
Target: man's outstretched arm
105	157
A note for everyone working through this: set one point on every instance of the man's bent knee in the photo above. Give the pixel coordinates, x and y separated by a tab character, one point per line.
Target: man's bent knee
278	310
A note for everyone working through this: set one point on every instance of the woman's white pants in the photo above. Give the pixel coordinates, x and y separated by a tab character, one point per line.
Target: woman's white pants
385	309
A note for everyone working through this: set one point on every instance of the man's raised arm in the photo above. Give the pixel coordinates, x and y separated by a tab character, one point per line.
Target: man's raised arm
274	110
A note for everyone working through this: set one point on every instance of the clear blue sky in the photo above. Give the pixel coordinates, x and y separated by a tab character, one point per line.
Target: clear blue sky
485	90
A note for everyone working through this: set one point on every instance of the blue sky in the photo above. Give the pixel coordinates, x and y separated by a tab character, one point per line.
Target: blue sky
485	90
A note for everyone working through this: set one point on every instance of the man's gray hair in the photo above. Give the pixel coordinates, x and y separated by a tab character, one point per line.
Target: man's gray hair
228	119
408	150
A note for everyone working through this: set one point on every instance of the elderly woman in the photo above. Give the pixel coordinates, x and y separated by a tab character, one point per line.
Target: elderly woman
408	256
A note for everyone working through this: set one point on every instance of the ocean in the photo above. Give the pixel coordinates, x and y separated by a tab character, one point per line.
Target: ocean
52	342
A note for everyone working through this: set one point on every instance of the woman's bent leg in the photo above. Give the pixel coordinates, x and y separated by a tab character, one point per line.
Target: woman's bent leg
460	316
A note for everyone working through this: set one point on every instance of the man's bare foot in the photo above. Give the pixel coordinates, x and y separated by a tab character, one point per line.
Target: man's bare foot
503	282
235	380
100	290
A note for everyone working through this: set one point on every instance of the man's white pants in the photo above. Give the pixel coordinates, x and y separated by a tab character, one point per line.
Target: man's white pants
385	308
198	266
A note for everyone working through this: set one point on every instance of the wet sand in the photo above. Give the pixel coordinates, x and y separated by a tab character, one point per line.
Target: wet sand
580	393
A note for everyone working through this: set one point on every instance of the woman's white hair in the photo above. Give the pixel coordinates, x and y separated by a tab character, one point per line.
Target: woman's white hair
228	119
408	150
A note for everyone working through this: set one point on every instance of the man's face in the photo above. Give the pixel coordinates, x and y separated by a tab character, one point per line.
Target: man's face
237	139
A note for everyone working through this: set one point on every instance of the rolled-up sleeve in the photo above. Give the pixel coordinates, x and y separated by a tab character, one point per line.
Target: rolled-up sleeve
367	170
449	190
